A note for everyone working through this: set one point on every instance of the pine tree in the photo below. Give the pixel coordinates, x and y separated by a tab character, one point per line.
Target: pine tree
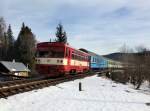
11	40
61	34
10	36
5	47
65	37
25	46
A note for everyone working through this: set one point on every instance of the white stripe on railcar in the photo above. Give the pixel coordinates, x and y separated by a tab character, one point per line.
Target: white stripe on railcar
60	61
79	63
53	61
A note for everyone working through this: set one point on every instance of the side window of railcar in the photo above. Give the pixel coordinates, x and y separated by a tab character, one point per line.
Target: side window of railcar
89	58
93	59
97	60
77	56
82	58
73	55
67	52
85	58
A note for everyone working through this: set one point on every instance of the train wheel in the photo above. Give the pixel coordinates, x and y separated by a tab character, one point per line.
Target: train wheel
72	72
85	70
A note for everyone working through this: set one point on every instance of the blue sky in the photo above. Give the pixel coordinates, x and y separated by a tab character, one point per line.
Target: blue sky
102	26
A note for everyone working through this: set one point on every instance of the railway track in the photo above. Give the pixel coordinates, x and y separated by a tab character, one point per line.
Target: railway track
20	86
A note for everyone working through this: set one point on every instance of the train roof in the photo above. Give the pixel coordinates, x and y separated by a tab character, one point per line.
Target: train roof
89	52
59	44
51	43
94	54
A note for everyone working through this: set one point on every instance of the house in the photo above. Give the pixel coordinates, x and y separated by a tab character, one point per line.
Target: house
13	68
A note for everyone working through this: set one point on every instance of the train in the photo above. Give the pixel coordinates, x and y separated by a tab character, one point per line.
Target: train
98	62
57	59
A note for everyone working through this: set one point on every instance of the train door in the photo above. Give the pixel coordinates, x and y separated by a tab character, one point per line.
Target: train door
68	56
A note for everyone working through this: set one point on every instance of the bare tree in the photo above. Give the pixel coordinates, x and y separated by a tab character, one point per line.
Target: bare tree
2	37
126	58
136	65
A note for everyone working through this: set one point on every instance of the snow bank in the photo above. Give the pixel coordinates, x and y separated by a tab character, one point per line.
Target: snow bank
99	94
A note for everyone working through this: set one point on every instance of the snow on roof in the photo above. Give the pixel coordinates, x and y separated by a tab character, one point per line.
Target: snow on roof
14	66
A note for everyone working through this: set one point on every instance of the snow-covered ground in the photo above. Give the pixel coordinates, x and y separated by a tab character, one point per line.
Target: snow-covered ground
99	94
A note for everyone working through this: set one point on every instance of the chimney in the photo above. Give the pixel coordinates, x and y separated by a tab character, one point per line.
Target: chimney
13	61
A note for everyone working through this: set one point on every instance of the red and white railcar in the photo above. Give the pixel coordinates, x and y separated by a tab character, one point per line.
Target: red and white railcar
54	59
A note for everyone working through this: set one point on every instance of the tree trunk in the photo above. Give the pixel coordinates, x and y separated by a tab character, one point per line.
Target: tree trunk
139	84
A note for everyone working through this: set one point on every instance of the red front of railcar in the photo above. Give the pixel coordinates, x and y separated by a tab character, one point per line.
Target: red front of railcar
54	59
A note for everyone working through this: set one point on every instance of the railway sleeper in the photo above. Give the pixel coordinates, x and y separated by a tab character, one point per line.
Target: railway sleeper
27	88
40	86
45	84
14	91
36	86
2	95
5	94
31	87
20	90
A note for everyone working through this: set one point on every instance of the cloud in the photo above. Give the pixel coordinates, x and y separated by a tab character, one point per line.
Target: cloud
99	25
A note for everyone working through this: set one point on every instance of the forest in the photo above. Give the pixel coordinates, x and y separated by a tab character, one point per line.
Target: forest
23	48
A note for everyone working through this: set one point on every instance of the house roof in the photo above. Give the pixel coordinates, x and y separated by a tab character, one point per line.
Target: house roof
14	66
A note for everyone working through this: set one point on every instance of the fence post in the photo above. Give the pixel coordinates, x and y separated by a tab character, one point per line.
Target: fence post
80	86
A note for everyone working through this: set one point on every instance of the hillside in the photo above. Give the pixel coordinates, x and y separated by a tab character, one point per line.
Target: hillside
115	56
118	56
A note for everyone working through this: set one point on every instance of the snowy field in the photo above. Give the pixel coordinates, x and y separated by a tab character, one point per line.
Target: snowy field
99	94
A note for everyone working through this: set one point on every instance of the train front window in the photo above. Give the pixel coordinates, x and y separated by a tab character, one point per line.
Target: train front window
57	52
42	54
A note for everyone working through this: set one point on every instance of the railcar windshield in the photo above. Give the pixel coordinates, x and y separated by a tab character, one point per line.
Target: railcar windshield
54	52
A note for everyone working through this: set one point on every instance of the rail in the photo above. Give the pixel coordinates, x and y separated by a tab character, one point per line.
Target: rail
20	86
